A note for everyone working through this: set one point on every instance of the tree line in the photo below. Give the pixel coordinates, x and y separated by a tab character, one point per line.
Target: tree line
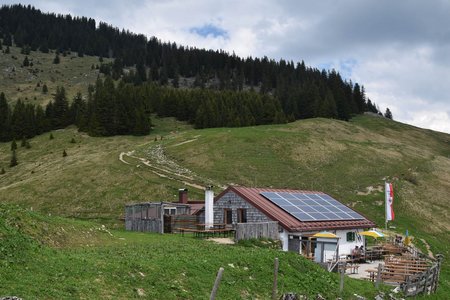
123	108
302	91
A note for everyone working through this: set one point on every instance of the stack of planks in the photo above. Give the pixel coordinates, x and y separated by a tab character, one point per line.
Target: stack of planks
397	269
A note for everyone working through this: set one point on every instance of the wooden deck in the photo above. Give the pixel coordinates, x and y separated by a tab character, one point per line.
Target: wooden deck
205	233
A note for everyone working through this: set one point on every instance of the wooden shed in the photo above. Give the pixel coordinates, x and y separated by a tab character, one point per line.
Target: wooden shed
160	217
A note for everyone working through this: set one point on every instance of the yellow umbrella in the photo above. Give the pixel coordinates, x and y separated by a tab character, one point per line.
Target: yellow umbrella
325	234
372	233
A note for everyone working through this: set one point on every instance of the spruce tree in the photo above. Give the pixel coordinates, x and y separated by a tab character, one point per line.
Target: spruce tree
5	119
56	60
388	113
64	153
44	89
2	171
26	62
60	108
7	51
51	137
13	145
13	161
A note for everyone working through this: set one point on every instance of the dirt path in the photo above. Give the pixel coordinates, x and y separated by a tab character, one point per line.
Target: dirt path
121	155
430	254
185	142
159	164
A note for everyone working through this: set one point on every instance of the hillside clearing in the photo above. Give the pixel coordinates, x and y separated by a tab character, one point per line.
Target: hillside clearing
73	72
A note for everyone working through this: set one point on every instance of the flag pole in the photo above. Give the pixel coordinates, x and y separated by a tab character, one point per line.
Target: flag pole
385	206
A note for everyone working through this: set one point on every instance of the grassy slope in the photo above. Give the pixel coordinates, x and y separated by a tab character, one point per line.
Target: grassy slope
73	72
90	182
340	158
90	262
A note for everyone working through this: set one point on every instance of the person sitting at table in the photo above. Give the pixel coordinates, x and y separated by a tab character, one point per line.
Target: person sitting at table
355	252
362	254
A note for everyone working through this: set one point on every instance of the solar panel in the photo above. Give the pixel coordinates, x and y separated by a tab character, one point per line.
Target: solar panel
312	206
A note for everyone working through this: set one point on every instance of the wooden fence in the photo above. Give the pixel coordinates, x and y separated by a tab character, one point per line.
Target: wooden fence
144	225
245	231
425	282
172	223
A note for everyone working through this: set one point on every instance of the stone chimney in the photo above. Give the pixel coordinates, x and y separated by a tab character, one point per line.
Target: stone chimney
183	196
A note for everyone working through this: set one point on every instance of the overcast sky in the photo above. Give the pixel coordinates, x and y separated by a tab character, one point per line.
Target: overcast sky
399	50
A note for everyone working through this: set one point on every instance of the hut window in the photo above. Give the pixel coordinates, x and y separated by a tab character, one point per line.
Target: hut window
350	236
242	215
170	210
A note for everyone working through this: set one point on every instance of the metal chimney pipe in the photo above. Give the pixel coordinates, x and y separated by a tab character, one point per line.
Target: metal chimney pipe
209	207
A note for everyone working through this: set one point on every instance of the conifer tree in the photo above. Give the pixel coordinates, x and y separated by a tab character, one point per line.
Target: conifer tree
13	145
5	119
2	171
388	113
25	50
176	80
56	60
26	62
60	108
51	137
13	161
64	153
44	89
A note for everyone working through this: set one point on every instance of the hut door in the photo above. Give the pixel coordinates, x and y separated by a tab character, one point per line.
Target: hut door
228	216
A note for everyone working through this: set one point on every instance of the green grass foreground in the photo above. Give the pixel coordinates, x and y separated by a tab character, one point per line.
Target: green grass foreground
88	262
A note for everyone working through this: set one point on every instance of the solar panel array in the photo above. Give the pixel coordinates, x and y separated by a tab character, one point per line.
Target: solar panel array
312	206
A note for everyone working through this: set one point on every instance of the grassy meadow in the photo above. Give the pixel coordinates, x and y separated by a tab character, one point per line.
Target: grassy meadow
58	258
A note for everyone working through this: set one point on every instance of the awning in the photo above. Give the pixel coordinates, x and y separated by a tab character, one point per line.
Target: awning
372	233
325	234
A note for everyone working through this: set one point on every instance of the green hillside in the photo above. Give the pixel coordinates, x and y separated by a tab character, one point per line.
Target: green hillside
348	160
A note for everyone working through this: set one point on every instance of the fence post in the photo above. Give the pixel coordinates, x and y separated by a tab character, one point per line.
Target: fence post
377	283
275	279
216	284
438	271
341	277
425	284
